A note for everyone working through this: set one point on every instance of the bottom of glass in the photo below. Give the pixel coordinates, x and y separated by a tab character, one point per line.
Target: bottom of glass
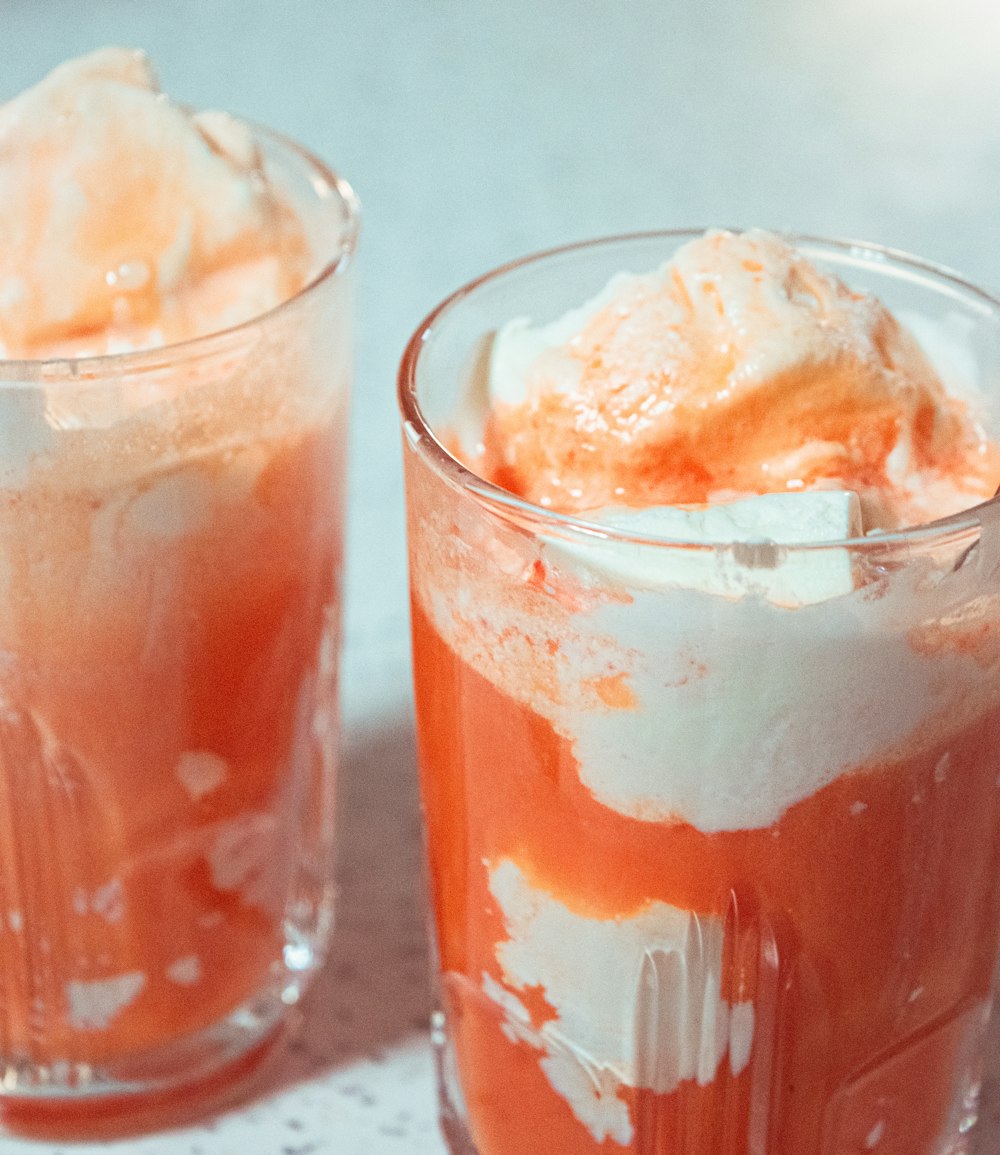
456	1136
191	1077
973	1130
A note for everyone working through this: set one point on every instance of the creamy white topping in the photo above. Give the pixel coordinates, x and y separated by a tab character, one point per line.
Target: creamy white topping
710	703
737	368
522	352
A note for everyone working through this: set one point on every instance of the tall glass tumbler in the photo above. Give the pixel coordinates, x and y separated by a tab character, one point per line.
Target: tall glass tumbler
170	557
713	831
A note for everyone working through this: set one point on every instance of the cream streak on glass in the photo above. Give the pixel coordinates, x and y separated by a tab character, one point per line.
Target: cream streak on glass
588	969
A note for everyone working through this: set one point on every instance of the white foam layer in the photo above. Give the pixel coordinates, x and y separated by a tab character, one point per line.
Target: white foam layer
707	703
636	1000
740	714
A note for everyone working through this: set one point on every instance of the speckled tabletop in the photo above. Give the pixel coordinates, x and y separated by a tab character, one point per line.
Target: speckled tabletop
475	132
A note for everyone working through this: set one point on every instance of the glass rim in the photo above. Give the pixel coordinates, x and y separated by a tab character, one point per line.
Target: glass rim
66	370
421	435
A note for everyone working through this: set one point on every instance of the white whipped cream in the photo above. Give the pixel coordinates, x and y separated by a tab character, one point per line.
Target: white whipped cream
771	307
737	367
722	712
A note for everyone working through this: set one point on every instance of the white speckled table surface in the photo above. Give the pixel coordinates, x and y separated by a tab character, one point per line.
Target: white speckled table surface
475	132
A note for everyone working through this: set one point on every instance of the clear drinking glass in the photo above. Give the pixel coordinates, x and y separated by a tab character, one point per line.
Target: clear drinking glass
170	557
714	866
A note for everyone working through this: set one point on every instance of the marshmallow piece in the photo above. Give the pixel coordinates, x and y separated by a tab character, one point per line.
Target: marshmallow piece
764	524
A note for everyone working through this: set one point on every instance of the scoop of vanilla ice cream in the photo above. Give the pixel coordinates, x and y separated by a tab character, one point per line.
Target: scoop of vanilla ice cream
128	222
737	368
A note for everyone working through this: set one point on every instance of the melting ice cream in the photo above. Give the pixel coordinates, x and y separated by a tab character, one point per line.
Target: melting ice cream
128	222
737	368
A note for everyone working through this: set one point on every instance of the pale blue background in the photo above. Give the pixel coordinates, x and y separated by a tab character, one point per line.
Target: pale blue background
475	132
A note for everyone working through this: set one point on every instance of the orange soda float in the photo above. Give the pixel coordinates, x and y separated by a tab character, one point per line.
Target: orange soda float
706	623
175	343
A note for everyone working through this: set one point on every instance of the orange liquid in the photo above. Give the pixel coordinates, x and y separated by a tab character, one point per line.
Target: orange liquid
131	644
862	926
